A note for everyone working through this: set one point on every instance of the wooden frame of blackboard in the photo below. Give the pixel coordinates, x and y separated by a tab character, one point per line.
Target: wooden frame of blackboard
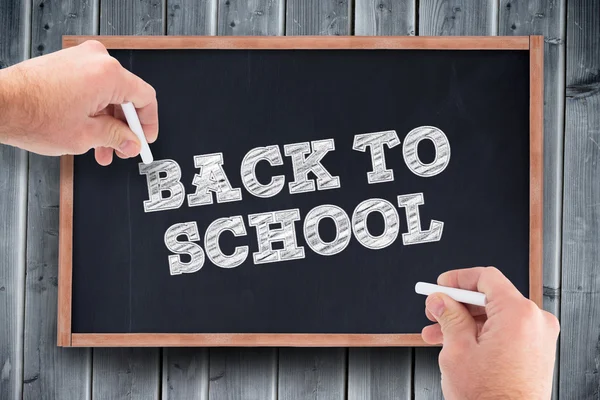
533	44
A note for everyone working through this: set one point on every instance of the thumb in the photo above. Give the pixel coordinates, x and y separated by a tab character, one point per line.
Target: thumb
455	320
114	133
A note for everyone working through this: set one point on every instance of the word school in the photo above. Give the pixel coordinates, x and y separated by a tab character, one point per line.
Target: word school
164	177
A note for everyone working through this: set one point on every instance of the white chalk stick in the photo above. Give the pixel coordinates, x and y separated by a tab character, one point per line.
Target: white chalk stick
134	124
460	295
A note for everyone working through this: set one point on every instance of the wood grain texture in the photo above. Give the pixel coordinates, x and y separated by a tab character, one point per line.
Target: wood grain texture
427	381
247	374
385	17
318	17
448	17
580	302
250	18
312	374
379	374
128	373
132	17
382	374
51	372
185	374
14	47
307	42
547	18
50	21
125	373
192	17
457	17
13	202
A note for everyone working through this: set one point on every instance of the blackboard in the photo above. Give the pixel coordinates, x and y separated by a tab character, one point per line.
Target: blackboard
301	187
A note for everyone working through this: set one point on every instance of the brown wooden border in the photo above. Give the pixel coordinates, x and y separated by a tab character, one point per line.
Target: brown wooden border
536	168
307	42
534	44
244	339
65	251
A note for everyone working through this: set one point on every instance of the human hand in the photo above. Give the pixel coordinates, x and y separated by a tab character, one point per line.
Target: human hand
503	351
64	103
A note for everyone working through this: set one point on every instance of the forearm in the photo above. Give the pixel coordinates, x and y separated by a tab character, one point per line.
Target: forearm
10	101
4	106
23	115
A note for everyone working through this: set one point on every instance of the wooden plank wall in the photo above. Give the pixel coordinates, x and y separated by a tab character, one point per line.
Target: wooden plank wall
32	367
49	371
15	25
547	18
580	302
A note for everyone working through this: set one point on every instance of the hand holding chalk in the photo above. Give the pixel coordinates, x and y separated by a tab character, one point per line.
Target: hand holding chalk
39	118
134	124
505	351
460	295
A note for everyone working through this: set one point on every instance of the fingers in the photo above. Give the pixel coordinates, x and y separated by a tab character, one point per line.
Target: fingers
488	280
117	112
104	155
432	334
113	133
143	97
456	323
552	322
125	86
94	46
104	133
149	119
475	311
120	155
429	315
466	278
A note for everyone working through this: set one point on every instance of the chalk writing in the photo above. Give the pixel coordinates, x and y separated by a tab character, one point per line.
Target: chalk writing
166	192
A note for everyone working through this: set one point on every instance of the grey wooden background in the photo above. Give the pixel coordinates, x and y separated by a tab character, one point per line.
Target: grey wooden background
32	367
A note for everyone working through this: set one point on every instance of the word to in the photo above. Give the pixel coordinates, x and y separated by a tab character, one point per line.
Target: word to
166	192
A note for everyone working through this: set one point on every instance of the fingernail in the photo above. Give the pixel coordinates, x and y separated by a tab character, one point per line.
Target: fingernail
129	148
435	305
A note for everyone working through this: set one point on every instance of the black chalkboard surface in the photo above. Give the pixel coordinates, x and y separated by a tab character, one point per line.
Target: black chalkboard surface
304	192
